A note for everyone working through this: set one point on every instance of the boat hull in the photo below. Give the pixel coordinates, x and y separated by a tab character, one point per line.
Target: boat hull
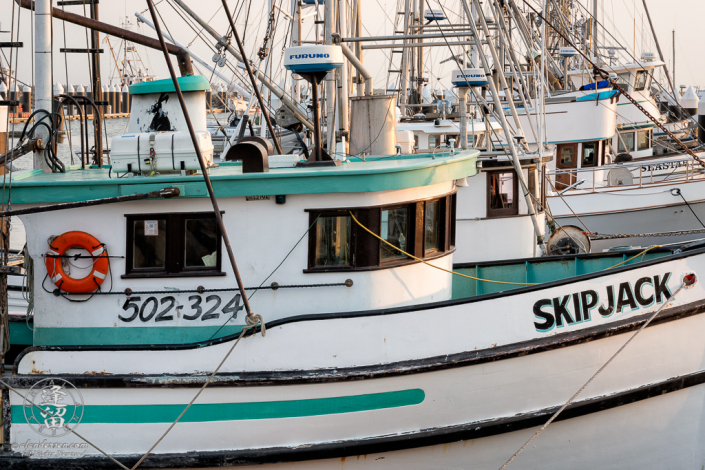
410	381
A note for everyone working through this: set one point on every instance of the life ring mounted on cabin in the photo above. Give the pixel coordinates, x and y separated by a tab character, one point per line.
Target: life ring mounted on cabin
58	248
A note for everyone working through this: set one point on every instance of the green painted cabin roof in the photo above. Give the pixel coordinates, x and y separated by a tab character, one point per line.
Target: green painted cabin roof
189	83
375	174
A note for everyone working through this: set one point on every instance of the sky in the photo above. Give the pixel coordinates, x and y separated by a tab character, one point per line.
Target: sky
624	19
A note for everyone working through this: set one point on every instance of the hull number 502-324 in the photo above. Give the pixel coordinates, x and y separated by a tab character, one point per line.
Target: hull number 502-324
167	309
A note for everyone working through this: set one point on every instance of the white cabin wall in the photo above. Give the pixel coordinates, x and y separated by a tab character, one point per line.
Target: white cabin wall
261	233
141	105
496	239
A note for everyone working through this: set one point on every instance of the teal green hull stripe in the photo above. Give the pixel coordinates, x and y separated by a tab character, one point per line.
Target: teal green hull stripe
141	414
130	335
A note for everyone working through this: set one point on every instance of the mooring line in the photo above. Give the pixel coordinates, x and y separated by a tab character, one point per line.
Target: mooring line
12	389
688	281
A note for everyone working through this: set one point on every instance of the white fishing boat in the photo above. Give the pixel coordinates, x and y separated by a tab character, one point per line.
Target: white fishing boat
147	349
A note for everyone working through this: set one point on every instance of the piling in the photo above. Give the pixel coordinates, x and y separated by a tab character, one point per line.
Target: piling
71	91
125	99
26	99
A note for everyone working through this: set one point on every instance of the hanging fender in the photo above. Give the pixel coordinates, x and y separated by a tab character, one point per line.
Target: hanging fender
58	248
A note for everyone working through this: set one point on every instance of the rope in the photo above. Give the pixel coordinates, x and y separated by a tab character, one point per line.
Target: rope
2	382
438	267
555	415
566	203
635	256
242	333
203	291
677	192
270	275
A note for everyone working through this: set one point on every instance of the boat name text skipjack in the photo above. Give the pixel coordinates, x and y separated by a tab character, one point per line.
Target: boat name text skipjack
577	308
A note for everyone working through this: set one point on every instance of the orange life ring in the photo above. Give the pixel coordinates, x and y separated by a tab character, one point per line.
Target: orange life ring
58	248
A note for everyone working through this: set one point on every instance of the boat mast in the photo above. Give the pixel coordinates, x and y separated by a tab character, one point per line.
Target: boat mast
404	79
43	79
330	81
342	74
675	95
97	87
658	48
594	29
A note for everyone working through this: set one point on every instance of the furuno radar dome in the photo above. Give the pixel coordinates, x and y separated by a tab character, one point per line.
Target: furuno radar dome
312	63
312	59
469	78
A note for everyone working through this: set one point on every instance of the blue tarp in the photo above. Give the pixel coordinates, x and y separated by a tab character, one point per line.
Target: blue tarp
600	84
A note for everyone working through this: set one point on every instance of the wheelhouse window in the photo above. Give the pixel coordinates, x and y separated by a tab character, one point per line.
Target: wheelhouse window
643	141
590	150
641	79
433	226
395	230
424	229
333	241
623	80
502	191
163	245
626	142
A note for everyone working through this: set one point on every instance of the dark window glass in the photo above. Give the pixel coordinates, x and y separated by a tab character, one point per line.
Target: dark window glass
567	157
643	140
149	244
623	80
589	154
175	244
433	141
201	243
533	188
333	241
501	190
626	142
395	230
432	226
640	82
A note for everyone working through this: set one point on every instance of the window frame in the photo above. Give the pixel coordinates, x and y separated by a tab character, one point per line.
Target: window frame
507	212
411	242
174	265
312	239
367	249
442	227
648	139
596	145
621	148
639	74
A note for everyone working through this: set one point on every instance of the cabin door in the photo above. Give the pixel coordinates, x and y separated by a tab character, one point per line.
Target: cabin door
567	159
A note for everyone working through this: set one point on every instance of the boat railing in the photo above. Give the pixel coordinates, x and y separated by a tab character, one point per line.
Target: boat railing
632	174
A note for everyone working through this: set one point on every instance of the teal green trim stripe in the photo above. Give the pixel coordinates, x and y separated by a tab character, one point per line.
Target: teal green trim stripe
129	335
229	181
190	83
603	95
142	414
20	334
